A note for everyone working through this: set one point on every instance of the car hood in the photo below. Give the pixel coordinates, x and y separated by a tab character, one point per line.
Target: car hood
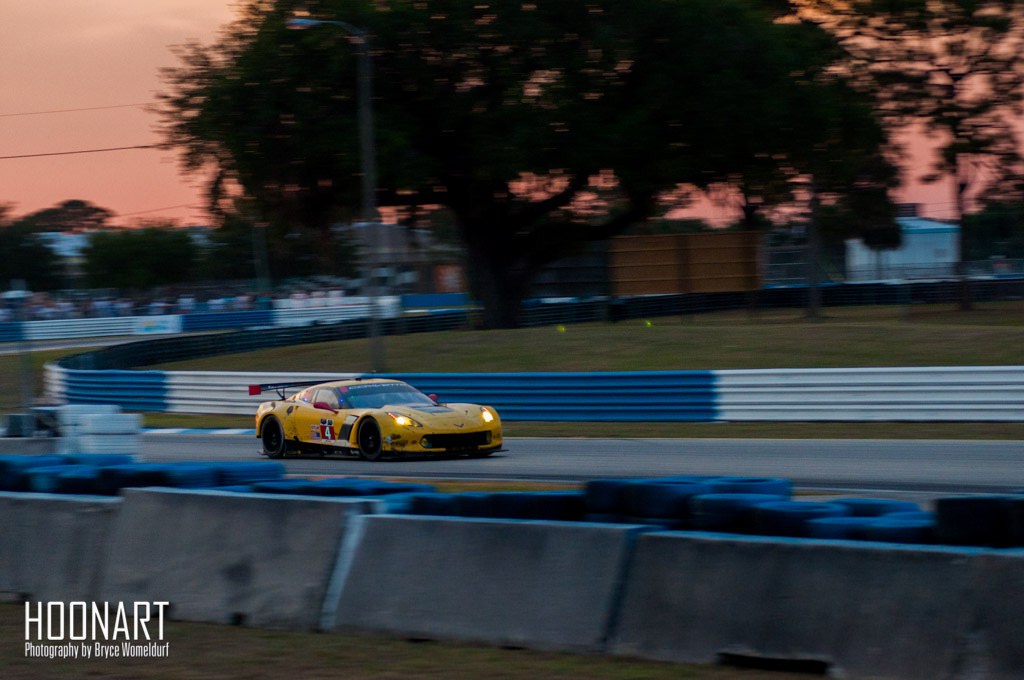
445	415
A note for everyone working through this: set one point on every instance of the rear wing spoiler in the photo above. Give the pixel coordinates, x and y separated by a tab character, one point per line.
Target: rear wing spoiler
281	387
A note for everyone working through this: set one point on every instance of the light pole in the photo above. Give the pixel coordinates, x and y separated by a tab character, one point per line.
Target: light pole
368	167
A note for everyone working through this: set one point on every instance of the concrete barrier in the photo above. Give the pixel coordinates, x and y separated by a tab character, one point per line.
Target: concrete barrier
858	609
98	428
548	585
260	560
996	637
53	546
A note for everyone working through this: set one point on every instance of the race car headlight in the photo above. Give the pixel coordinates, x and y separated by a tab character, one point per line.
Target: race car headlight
487	415
403	421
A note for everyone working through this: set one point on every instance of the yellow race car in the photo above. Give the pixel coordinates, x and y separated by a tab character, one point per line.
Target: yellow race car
372	418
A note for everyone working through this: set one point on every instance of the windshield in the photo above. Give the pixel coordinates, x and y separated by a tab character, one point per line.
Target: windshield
382	394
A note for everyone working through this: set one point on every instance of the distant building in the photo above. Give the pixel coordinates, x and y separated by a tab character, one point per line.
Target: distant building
929	249
408	260
65	243
69	247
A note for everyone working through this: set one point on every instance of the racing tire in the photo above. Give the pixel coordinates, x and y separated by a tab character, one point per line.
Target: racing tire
272	436
370	445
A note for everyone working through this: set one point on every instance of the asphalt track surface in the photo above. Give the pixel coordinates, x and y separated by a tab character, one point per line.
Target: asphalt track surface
850	465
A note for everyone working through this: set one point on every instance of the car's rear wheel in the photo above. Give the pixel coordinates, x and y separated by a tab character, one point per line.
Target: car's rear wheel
272	436
370	447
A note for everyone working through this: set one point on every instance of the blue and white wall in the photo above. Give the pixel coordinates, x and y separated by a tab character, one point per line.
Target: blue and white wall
976	393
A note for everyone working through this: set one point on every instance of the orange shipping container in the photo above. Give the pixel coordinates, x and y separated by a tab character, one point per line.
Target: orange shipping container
706	262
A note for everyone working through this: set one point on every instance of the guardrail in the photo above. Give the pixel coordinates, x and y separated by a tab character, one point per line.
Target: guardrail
982	393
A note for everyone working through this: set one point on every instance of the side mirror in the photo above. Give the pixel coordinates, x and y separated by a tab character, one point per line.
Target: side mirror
433	398
323	406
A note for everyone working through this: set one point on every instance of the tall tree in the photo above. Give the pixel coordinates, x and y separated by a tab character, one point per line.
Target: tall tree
139	258
997	231
68	215
25	256
954	66
505	113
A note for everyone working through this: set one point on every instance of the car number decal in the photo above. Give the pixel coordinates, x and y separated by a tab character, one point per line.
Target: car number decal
324	431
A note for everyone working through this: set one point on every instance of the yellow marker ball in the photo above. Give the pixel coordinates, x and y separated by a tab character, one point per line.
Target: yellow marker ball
560	328
647	323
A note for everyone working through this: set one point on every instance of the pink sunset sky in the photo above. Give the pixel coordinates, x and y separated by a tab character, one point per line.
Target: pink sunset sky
75	54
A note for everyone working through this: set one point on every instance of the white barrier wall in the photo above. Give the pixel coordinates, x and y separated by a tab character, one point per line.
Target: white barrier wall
227	393
968	393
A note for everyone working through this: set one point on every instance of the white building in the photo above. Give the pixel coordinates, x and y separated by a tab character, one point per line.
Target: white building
929	250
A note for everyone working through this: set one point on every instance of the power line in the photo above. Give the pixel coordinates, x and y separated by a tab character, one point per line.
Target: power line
68	153
86	108
170	207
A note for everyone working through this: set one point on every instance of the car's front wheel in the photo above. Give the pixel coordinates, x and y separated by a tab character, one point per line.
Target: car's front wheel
272	436
370	447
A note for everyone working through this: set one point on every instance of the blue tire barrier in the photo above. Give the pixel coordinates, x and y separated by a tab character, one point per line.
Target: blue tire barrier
101	459
761	485
548	505
919	514
607	496
604	518
901	530
662	523
82	481
474	504
235	488
659	499
409	487
345	486
876	507
191	475
789	518
850	528
1015	510
674	479
285	486
398	503
337	487
729	512
44	479
113	478
443	504
376	487
183	475
981	520
246	472
13	467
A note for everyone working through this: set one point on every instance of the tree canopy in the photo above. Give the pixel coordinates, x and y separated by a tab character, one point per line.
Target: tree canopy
25	256
137	259
70	215
535	126
956	67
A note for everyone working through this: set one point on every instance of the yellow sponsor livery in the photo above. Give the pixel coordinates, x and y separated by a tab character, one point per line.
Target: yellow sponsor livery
371	418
